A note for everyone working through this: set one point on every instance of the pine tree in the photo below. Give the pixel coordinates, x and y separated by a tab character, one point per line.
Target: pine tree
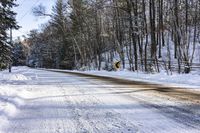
60	22
8	21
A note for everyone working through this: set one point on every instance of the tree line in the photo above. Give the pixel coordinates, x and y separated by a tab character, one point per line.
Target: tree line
145	35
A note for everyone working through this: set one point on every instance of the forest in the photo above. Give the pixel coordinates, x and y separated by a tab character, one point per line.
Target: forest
144	35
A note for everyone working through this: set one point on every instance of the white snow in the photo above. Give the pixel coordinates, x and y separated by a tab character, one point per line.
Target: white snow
189	81
14	76
8	97
49	102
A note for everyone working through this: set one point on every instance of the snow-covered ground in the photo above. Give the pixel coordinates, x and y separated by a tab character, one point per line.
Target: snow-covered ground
180	80
8	99
38	101
14	76
189	81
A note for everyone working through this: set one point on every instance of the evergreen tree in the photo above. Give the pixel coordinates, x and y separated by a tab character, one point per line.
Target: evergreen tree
8	21
18	51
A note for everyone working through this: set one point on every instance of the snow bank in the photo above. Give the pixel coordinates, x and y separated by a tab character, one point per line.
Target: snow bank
6	110
9	98
10	101
4	122
189	81
177	80
14	77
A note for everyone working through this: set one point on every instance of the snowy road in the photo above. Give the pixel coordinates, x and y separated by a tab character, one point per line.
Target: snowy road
51	102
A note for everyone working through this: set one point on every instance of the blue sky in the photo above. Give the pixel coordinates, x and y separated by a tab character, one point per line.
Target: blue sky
26	19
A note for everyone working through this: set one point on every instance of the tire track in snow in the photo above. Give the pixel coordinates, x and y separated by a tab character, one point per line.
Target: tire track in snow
179	117
96	119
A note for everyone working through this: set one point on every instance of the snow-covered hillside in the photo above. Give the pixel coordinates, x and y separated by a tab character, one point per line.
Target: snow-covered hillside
167	54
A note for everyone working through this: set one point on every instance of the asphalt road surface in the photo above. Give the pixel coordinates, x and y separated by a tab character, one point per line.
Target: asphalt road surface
53	102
